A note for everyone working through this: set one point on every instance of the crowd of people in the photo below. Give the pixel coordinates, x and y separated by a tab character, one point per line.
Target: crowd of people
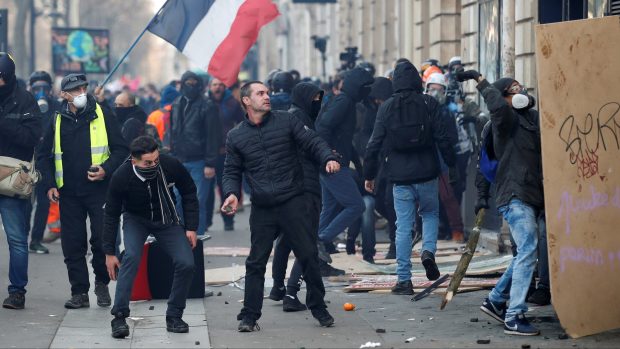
317	160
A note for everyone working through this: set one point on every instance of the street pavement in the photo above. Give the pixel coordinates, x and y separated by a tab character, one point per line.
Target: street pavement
392	321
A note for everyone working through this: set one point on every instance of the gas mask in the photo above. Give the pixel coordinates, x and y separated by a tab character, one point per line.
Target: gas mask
438	95
80	100
41	91
522	101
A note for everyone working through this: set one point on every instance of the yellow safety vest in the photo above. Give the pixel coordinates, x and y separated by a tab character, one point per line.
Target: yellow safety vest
99	149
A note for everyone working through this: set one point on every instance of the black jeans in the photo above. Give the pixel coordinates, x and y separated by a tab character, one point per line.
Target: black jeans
384	204
174	242
266	224
41	212
73	213
283	250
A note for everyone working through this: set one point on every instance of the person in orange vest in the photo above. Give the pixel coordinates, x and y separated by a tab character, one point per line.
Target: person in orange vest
160	118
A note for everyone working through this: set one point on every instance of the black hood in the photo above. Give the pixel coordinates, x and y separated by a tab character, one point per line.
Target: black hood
354	81
188	75
503	84
124	114
303	95
407	77
381	89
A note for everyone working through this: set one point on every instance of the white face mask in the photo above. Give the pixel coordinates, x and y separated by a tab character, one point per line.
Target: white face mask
520	101
79	101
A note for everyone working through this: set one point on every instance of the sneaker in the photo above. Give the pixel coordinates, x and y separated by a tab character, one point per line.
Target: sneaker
520	326
37	247
277	293
325	319
428	261
541	296
328	270
248	325
14	301
229	227
391	254
292	303
457	236
498	312
176	325
78	301
120	329
103	294
403	288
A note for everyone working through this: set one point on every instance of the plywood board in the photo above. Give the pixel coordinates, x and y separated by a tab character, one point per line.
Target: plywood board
387	282
578	75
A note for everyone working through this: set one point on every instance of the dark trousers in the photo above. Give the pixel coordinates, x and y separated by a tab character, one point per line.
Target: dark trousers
40	214
283	250
219	172
462	163
450	203
266	224
73	213
365	225
384	204
173	241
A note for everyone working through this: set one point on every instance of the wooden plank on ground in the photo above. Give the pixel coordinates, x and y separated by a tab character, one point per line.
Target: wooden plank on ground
387	282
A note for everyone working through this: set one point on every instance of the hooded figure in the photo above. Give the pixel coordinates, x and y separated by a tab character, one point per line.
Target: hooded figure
336	122
411	166
306	108
380	91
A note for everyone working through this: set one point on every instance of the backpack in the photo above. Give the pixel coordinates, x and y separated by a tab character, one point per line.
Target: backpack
409	128
487	161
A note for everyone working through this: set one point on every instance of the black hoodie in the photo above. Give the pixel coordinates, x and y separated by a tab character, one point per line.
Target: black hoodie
415	166
336	122
302	108
195	127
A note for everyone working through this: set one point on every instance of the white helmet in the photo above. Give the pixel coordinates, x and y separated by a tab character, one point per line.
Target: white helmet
437	78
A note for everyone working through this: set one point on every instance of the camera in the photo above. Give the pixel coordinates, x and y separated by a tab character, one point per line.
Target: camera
348	58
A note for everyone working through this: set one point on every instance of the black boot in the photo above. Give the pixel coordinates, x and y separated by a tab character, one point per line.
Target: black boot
176	325
291	303
391	254
277	293
120	329
428	261
403	288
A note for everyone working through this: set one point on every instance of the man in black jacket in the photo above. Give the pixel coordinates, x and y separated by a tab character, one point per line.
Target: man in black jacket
20	131
306	104
519	193
195	139
77	157
41	88
264	147
141	190
413	170
342	201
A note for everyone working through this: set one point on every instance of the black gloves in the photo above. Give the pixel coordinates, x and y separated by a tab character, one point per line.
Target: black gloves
481	203
462	75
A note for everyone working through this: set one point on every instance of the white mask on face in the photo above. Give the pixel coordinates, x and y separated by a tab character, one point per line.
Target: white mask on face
80	100
520	101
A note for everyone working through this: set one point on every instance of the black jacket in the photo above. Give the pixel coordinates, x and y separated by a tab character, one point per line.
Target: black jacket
337	120
416	166
268	154
75	145
516	142
128	193
20	125
195	130
302	96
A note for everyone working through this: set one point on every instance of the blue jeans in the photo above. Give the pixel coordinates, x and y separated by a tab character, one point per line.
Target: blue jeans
15	216
342	203
523	221
219	174
406	198
203	185
173	241
366	225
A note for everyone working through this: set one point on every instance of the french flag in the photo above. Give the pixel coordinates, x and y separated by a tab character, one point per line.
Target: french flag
215	34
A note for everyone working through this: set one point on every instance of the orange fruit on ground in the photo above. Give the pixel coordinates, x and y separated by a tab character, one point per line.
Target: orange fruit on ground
349	306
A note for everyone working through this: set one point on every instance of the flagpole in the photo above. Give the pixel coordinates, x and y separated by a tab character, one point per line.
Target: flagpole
120	61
